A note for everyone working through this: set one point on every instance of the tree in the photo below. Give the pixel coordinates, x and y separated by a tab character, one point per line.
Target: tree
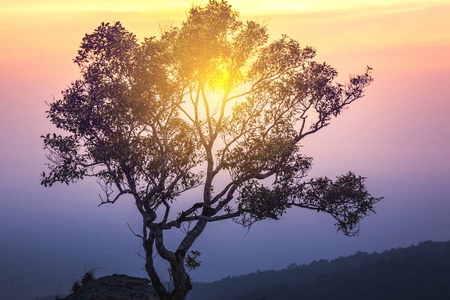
212	101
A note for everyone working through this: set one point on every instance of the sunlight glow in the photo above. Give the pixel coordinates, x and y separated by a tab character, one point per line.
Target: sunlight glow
248	7
220	82
255	7
49	29
49	6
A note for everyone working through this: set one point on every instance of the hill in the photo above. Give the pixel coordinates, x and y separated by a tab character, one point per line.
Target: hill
119	287
416	272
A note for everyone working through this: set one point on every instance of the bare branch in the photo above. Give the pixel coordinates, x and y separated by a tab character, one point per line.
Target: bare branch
215	218
139	236
123	192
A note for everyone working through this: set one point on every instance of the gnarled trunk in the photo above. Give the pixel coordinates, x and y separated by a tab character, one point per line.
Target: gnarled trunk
150	268
181	280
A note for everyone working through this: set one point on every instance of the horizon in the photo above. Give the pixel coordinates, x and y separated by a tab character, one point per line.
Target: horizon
397	136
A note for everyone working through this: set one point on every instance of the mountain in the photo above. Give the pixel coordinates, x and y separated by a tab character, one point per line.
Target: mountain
416	272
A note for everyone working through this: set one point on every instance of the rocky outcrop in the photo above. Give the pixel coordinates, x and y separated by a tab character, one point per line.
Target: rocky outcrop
115	287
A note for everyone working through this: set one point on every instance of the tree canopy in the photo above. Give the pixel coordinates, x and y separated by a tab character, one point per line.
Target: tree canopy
214	106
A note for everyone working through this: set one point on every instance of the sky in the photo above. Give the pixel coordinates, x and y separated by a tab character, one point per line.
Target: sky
397	136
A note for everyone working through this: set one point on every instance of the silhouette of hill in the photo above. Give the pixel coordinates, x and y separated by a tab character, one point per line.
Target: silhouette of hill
416	272
114	287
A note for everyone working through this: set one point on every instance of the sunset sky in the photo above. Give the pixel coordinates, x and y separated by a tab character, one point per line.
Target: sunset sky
398	136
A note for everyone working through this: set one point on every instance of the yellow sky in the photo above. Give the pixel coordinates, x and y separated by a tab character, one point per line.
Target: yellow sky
367	21
49	32
246	7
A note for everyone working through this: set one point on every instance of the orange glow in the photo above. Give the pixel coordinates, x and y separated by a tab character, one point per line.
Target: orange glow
30	28
372	23
395	34
47	6
41	38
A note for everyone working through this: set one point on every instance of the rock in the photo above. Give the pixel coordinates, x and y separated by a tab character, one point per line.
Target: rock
115	287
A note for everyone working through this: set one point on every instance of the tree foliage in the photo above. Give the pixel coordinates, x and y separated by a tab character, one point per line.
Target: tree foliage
209	102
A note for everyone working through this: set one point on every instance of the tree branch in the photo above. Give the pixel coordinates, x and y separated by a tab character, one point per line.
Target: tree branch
139	236
123	192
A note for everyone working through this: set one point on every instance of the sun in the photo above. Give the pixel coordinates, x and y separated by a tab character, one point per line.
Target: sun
220	80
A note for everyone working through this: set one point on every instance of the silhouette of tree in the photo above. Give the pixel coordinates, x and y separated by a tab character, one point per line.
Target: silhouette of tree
211	105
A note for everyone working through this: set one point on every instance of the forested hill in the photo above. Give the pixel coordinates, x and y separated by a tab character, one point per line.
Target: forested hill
416	272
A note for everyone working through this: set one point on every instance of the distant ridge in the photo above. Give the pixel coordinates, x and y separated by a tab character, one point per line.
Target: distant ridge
416	272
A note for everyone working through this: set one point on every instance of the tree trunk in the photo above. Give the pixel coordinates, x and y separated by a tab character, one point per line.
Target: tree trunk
150	268
181	280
